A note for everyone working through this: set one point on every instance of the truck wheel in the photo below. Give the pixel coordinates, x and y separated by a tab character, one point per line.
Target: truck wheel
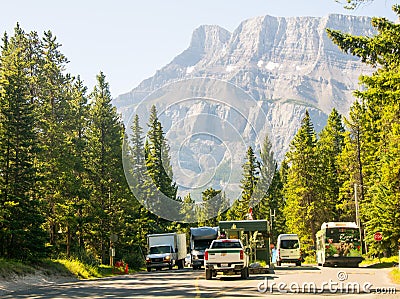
148	269
243	273
208	274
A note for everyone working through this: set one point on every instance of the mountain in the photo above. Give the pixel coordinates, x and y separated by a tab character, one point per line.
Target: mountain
257	80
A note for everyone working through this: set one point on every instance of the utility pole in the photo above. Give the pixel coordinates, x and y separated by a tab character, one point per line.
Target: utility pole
358	222
356	204
271	217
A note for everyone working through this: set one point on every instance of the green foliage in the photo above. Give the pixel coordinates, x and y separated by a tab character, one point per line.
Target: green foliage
329	146
79	269
108	188
62	191
241	207
269	192
383	262
303	205
374	132
395	275
20	218
353	4
158	167
214	203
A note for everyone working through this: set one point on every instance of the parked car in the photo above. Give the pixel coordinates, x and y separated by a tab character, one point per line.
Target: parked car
288	249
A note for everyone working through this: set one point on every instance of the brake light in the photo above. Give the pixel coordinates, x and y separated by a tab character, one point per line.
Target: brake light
241	254
206	255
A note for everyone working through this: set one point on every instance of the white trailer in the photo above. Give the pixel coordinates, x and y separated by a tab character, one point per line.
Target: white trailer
166	251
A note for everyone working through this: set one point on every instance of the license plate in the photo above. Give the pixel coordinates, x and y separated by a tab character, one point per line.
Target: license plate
224	265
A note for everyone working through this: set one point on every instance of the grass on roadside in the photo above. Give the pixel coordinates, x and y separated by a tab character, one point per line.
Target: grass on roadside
10	267
395	275
59	267
384	262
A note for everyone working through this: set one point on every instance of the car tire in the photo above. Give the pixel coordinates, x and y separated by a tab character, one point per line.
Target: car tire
208	274
244	273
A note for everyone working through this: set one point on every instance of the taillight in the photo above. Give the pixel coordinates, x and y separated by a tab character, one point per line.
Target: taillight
206	255
241	254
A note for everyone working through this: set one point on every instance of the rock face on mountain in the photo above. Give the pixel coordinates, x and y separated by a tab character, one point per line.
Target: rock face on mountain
283	65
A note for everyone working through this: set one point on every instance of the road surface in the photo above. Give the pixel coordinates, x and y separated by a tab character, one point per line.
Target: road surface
335	282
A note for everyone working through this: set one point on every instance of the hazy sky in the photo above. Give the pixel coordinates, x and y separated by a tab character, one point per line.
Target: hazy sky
129	40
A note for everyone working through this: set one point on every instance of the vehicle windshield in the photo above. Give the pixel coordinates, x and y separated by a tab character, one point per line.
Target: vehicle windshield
160	249
226	245
342	235
289	244
201	244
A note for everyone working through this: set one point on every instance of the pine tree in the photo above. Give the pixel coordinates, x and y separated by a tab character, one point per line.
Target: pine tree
351	163
188	209
74	180
52	108
212	202
108	188
329	147
160	185
301	186
21	235
268	196
242	206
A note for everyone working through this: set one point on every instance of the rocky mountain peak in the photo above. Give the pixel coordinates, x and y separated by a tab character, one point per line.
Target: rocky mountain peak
285	65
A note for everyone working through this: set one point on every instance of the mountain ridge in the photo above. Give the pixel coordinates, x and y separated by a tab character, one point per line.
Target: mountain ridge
286	64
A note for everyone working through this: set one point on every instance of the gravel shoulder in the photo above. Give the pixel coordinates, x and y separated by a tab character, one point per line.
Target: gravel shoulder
15	283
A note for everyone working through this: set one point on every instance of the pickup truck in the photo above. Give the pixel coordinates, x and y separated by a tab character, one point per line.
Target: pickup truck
226	256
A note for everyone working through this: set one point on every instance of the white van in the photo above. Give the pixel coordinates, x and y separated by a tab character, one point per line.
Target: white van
288	249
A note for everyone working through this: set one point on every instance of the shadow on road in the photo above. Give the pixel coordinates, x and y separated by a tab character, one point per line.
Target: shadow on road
297	268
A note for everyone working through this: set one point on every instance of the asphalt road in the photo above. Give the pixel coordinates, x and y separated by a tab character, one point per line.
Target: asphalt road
285	281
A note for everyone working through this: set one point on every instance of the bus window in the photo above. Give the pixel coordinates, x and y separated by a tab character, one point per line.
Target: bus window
342	235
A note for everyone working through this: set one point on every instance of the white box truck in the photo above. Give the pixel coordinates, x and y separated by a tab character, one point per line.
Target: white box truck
200	240
166	251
